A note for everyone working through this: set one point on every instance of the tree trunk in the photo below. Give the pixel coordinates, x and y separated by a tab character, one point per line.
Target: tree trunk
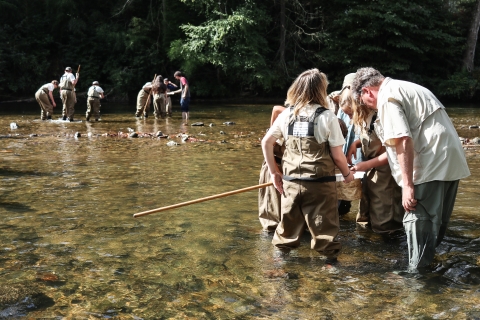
468	59
283	32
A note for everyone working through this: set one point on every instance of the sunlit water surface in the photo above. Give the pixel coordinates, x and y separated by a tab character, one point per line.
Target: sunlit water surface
68	235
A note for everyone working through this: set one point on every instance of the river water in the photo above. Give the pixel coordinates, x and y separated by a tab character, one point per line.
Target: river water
71	249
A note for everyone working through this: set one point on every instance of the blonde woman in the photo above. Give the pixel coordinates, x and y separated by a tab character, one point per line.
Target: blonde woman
381	204
313	146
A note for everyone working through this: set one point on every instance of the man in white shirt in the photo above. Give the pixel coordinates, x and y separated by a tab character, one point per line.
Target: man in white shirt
67	93
424	153
94	93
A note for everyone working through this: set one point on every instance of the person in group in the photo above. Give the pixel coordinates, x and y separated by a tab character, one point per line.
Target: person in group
142	98
94	93
381	203
351	135
44	97
67	87
269	198
185	98
424	152
159	90
313	146
171	87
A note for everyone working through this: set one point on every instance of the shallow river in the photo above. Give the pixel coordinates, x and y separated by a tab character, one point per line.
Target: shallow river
70	248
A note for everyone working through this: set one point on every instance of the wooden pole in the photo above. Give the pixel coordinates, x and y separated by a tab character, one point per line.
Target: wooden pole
220	195
149	94
78	71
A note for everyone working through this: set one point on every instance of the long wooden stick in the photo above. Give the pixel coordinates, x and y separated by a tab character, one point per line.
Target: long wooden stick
148	98
78	71
220	195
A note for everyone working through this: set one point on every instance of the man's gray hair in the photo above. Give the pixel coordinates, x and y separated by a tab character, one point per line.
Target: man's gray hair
365	77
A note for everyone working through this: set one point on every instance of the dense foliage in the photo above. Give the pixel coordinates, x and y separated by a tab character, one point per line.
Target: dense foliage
232	48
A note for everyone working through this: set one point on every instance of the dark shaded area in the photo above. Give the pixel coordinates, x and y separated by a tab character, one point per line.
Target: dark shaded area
231	49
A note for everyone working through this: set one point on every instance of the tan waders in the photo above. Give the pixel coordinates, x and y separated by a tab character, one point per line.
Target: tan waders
67	94
269	198
381	202
44	101
141	101
168	105
93	108
159	105
426	226
68	100
310	193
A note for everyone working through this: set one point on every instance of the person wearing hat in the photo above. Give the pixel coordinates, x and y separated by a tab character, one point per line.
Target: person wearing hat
67	87
142	99
45	99
168	101
351	136
159	90
425	155
95	93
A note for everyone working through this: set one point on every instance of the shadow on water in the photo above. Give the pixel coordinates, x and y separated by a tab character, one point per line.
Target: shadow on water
67	229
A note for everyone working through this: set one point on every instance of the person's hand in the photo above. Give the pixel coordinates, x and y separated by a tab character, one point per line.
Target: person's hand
54	104
408	198
78	75
349	177
352	151
277	179
361	166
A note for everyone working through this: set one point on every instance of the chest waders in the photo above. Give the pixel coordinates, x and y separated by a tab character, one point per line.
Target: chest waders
93	104
381	202
304	157
68	98
310	195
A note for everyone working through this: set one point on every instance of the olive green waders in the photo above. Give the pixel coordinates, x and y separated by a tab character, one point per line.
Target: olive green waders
426	226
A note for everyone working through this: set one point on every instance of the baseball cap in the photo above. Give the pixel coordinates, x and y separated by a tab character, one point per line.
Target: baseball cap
68	69
95	82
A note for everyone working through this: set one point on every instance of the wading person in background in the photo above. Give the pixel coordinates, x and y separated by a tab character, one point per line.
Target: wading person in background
142	100
185	98
381	203
159	90
424	153
313	146
67	87
168	101
44	97
95	93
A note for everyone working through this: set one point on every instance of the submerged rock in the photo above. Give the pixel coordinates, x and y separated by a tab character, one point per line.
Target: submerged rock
16	300
211	124
222	132
33	135
473	127
475	140
197	124
133	135
172	143
229	123
159	134
77	135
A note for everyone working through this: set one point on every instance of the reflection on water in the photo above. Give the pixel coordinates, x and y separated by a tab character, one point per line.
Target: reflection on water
68	235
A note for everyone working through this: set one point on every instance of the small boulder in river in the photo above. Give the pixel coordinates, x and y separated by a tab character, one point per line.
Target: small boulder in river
473	127
77	135
17	300
172	143
13	125
159	134
475	140
222	132
229	123
133	135
211	124
197	124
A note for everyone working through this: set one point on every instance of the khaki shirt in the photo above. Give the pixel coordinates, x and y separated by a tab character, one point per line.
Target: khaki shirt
406	109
